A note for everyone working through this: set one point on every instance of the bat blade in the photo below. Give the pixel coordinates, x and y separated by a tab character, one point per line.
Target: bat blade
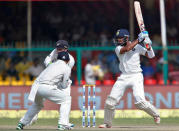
139	16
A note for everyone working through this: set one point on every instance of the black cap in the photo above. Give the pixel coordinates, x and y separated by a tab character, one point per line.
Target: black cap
62	44
63	56
122	33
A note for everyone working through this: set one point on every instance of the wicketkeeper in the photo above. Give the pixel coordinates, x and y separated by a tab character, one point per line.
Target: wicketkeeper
51	85
61	45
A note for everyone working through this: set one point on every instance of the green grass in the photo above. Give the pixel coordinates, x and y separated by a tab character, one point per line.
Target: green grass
121	121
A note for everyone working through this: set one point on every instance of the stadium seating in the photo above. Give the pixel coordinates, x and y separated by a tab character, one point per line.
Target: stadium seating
150	81
108	82
161	82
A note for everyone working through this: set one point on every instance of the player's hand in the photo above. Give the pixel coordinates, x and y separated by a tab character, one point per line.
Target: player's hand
147	42
142	36
69	81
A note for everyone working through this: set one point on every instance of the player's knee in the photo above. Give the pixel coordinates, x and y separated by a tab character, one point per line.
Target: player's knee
39	105
142	105
67	100
110	103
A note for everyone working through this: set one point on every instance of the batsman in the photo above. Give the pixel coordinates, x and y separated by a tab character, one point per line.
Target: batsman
128	54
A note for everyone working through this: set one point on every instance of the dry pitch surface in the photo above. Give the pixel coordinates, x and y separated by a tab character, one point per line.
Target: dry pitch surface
145	124
115	128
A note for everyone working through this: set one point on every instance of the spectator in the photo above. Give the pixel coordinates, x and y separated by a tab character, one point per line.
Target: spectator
174	75
92	72
2	65
12	72
23	65
35	69
148	70
90	76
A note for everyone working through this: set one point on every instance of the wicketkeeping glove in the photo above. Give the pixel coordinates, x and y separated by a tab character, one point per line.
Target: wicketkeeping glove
142	36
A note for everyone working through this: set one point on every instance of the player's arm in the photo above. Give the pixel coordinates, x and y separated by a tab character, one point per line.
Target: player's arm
50	57
131	45
66	78
148	44
71	62
147	51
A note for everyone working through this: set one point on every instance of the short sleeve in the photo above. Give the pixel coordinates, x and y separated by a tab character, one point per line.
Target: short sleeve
117	50
141	50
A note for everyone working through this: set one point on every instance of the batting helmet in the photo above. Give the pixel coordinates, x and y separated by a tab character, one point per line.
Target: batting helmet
122	33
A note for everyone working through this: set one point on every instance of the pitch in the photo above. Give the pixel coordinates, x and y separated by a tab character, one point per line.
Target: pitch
123	124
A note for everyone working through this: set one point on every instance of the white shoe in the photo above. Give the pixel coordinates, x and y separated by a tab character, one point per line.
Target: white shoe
64	127
157	120
104	126
71	124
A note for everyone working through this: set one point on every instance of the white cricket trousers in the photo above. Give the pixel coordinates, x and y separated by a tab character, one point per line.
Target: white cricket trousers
52	93
135	81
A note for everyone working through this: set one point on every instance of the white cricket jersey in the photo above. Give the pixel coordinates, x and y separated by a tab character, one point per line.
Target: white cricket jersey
130	61
53	57
58	74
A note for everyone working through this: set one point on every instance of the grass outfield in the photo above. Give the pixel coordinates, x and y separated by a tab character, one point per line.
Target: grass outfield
167	124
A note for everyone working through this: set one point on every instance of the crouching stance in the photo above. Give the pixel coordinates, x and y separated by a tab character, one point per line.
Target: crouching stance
51	85
128	54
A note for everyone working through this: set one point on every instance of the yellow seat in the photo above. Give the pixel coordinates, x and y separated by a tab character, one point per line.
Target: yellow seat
1	83
8	78
29	83
27	78
5	83
17	83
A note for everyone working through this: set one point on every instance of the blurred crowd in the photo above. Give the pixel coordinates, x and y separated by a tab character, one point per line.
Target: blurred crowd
103	64
15	66
83	21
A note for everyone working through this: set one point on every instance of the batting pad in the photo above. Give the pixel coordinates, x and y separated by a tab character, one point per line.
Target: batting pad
147	107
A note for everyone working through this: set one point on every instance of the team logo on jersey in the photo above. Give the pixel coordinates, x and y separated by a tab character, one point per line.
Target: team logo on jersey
117	33
133	49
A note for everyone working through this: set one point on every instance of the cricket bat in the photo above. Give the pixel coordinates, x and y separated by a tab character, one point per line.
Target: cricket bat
139	17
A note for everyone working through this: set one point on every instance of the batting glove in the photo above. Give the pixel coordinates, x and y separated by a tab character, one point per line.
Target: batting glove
142	36
147	42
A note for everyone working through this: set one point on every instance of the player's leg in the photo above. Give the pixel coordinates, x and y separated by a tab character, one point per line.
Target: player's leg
31	112
140	101
33	121
59	96
111	101
65	109
68	91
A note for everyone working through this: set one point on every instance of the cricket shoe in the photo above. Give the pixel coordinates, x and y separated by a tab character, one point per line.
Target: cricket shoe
19	126
33	121
64	127
157	120
104	126
71	125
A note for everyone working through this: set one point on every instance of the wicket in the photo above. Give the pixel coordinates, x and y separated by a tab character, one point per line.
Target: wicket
89	105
